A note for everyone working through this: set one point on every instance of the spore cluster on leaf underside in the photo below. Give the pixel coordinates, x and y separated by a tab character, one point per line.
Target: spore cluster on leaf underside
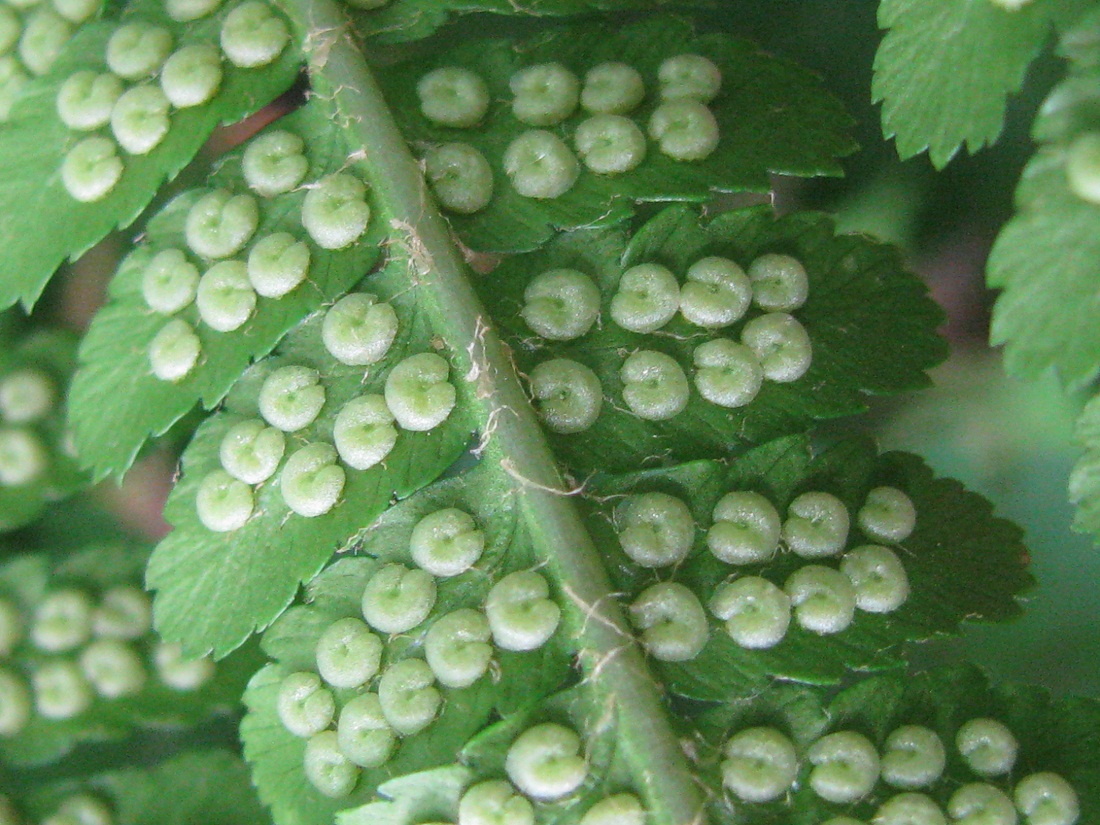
912	776
539	163
311	469
28	397
124	106
31	37
37	459
687	337
657	530
230	267
416	633
565	304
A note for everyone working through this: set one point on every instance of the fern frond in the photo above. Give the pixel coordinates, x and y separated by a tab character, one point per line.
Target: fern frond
637	597
538	590
768	116
869	323
289	535
277	274
67	186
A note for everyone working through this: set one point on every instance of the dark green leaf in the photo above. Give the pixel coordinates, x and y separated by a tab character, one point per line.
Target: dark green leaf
772	116
961	562
871	325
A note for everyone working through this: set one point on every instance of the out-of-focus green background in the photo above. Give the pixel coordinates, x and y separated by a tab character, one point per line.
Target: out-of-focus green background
1009	440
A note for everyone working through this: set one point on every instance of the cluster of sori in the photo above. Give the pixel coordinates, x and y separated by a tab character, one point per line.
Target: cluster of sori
497	802
32	33
657	530
355	706
564	304
417	396
221	224
1082	166
539	163
72	647
77	809
27	397
545	764
144	76
762	765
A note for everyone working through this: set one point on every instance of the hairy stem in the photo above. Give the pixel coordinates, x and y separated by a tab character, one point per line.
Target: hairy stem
609	655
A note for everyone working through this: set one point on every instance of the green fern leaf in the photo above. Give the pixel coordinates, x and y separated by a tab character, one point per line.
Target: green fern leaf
770	117
958	564
945	69
196	565
115	183
870	324
1042	315
888	749
78	661
295	278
